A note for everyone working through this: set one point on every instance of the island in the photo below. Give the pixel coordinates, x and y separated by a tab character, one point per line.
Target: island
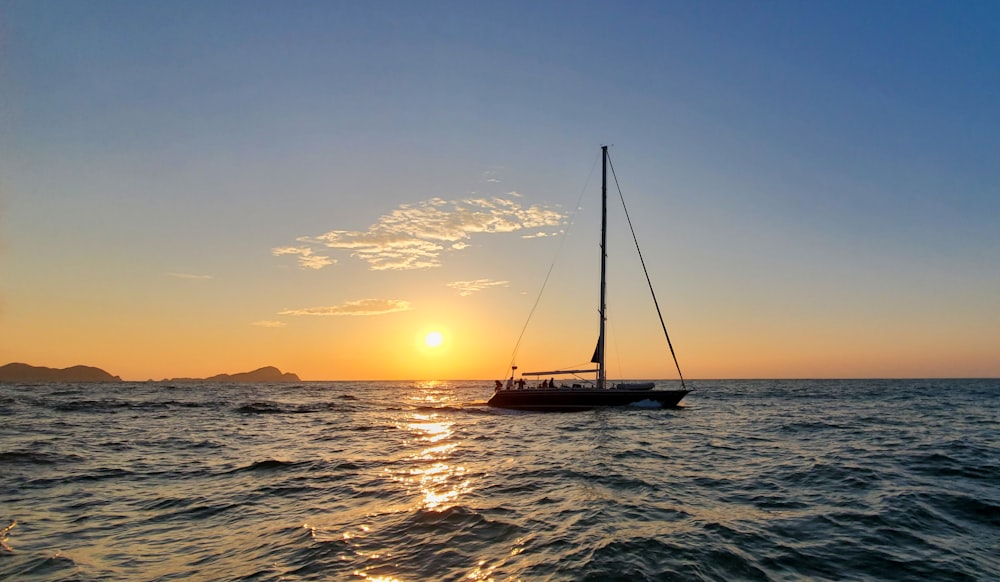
265	374
25	373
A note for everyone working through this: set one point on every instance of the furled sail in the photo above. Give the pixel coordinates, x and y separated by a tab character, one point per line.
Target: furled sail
596	359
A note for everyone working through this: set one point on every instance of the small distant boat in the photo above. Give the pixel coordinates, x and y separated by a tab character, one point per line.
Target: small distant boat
577	394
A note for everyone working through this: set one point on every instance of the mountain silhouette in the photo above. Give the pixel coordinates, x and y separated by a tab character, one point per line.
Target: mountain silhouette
17	372
25	373
265	374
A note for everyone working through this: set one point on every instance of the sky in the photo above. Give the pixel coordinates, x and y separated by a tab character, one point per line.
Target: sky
192	188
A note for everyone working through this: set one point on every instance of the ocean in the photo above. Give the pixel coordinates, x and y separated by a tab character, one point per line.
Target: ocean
748	480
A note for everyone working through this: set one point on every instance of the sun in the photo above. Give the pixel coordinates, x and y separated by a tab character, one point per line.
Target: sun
433	339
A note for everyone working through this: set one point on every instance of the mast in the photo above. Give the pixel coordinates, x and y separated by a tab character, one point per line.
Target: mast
604	265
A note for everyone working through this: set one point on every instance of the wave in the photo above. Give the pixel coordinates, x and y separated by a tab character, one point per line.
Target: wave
270	407
419	544
765	480
477	408
96	406
37	458
56	566
269	465
110	406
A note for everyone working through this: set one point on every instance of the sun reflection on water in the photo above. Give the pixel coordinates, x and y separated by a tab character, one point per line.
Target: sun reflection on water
482	572
422	466
440	484
428	429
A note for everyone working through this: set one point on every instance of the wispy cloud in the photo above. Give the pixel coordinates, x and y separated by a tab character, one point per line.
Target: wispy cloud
466	288
307	258
360	307
188	276
269	323
490	177
415	236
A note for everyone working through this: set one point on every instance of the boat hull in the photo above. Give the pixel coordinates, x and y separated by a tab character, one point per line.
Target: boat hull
568	400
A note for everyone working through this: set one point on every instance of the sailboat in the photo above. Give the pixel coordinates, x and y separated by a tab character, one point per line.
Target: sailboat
560	396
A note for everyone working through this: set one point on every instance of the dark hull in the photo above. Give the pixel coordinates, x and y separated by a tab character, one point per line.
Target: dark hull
567	400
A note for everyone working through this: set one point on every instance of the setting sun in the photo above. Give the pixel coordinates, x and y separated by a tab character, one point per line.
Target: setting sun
433	339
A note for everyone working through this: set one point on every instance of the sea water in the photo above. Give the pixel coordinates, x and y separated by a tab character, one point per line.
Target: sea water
749	480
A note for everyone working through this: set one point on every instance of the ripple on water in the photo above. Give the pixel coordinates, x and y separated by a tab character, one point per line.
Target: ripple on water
412	481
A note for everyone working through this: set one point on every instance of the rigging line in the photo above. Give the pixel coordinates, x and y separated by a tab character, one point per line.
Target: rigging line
646	272
559	249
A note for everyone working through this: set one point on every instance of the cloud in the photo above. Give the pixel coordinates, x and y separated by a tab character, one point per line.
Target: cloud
415	236
307	259
269	323
188	276
490	177
360	307
466	288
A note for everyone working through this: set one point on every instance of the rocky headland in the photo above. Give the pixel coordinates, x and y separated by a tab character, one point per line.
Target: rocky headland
17	372
28	374
265	374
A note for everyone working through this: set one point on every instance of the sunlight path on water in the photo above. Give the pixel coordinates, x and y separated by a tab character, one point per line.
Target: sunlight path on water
426	480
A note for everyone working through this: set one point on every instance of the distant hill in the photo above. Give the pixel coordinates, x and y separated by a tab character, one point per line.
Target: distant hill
265	374
17	372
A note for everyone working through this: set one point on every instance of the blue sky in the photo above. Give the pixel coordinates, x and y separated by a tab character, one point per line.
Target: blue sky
807	174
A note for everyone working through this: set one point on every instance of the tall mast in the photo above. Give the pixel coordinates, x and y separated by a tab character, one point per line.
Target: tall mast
604	260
